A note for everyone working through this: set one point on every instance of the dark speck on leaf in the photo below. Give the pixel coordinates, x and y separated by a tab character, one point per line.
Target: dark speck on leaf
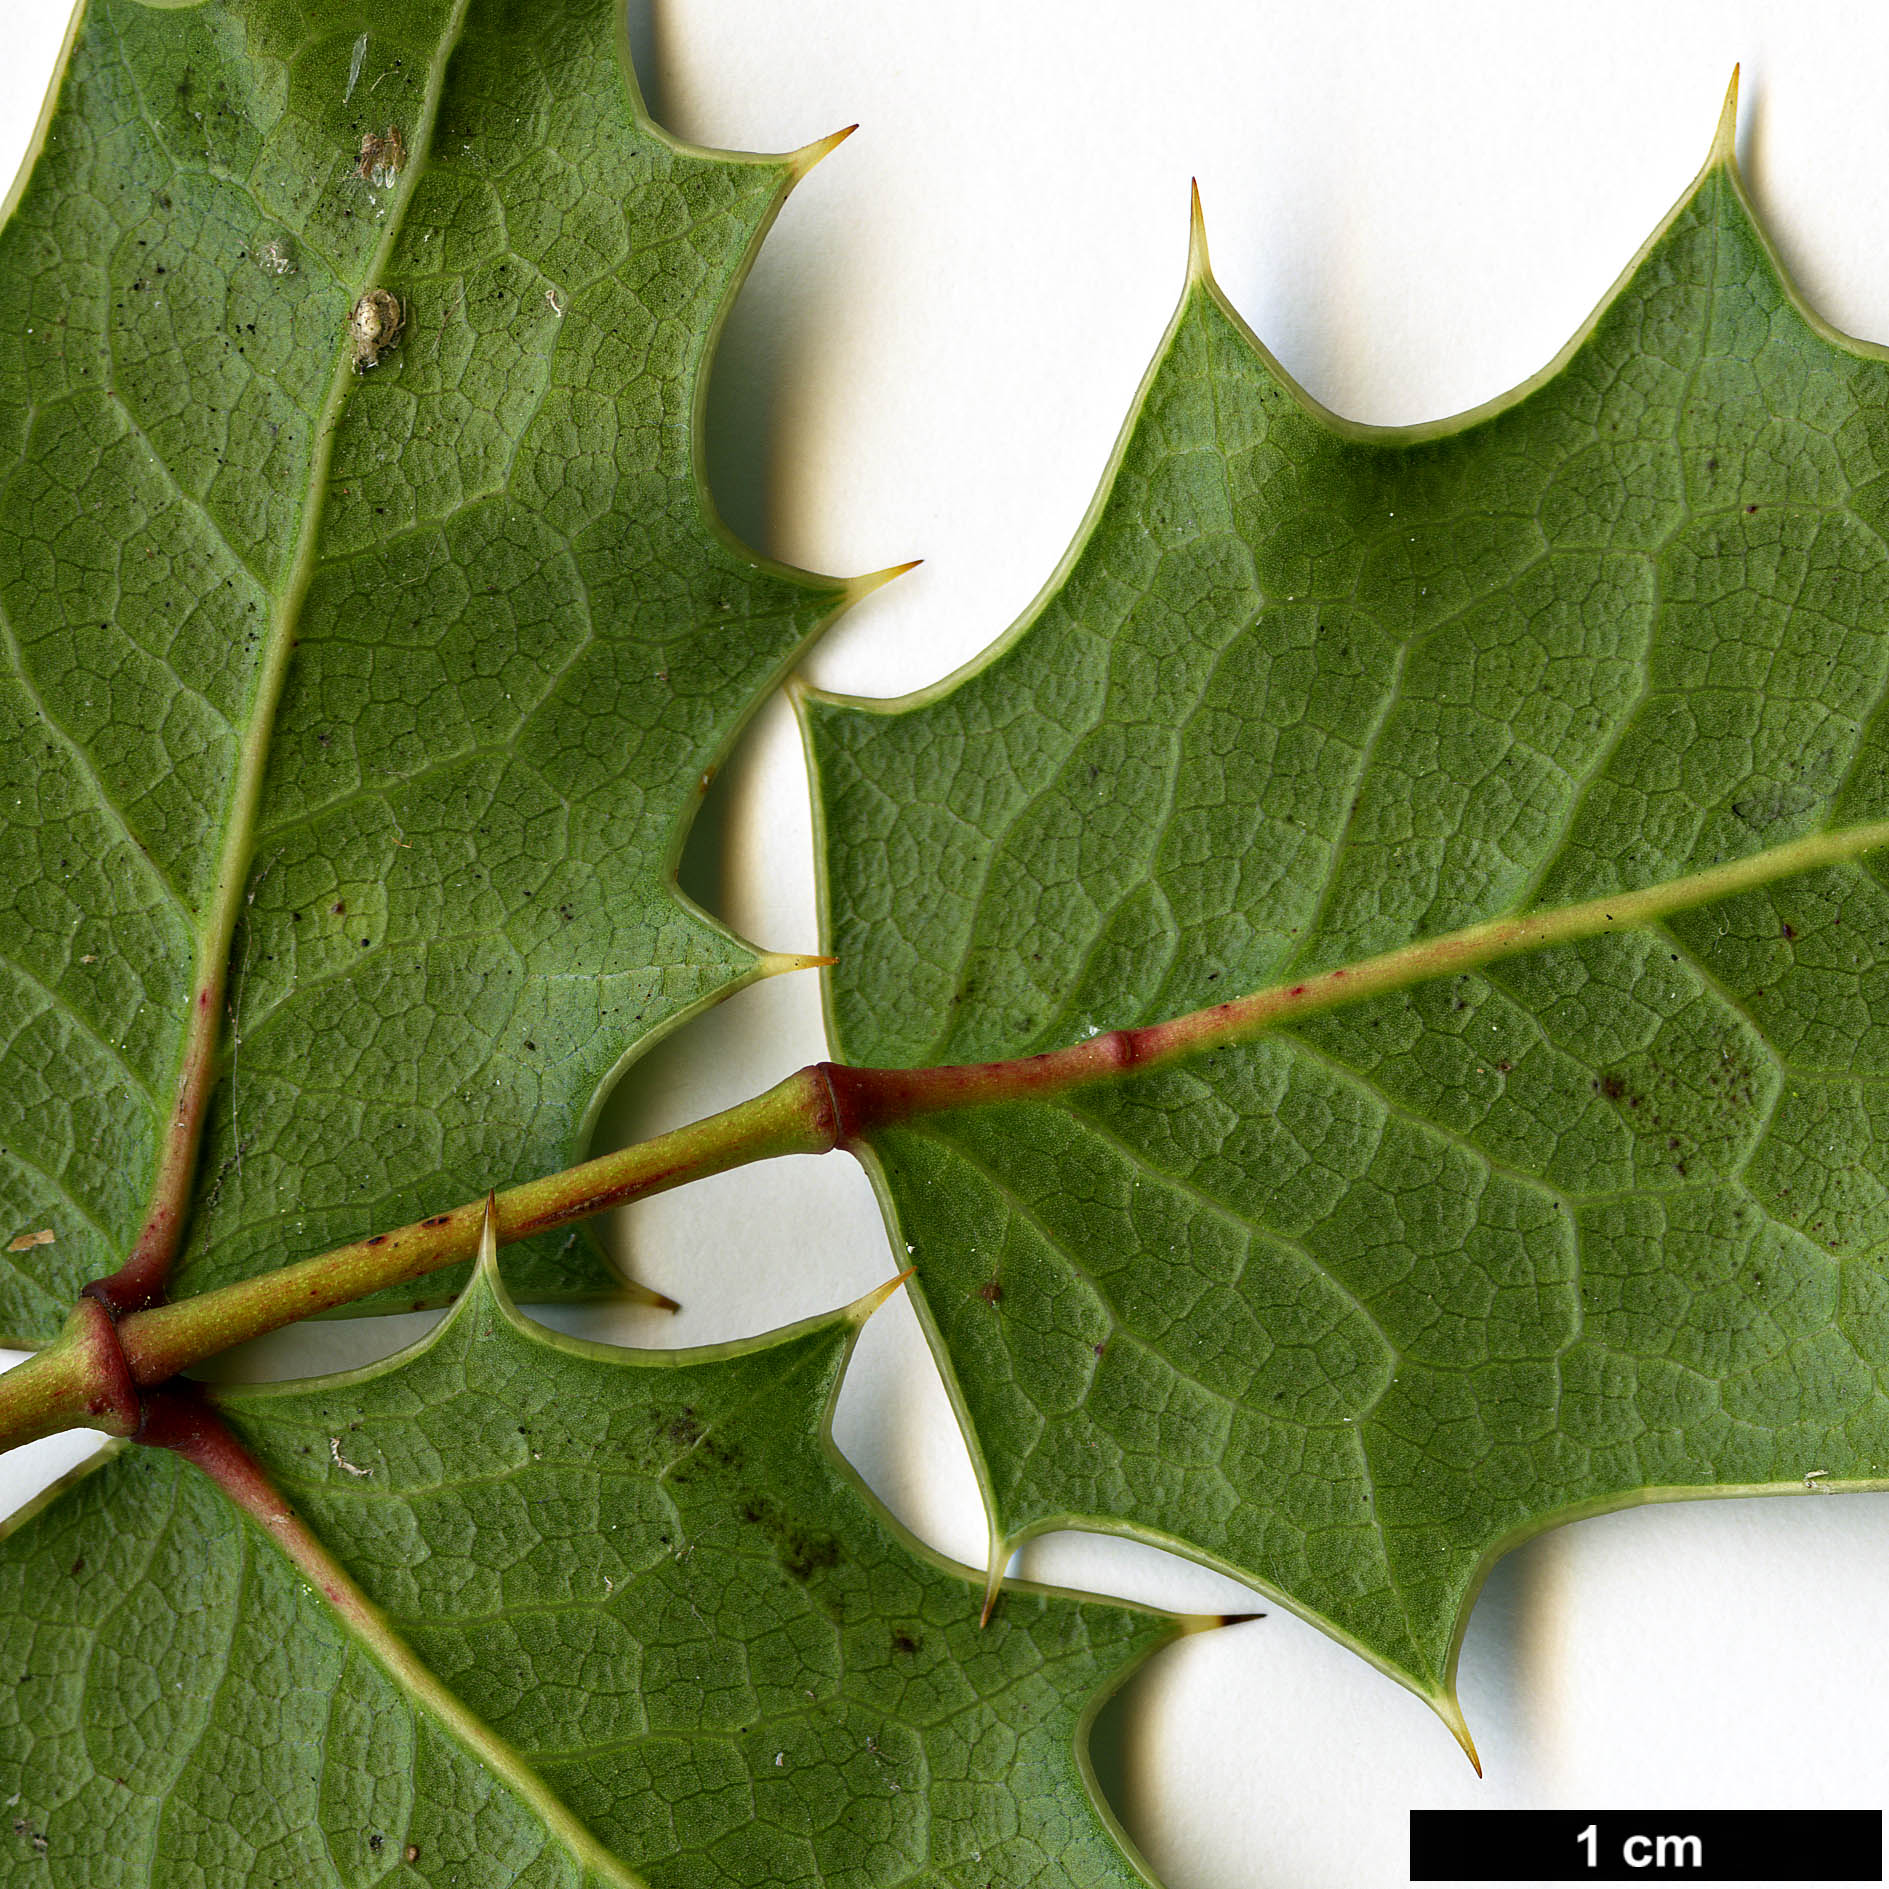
803	1556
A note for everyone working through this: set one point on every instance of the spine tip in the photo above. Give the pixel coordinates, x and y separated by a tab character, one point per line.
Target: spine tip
802	161
782	963
636	1293
1725	139
488	1237
1209	1623
993	1575
855	588
1199	263
1451	1713
862	1309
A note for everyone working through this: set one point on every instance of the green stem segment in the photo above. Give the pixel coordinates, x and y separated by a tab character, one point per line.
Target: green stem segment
84	1378
170	1338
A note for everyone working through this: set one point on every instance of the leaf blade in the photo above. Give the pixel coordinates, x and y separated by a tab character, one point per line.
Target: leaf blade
190	1786
1306	691
521	640
673	1627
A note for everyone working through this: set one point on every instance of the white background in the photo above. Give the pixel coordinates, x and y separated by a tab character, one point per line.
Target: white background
1414	205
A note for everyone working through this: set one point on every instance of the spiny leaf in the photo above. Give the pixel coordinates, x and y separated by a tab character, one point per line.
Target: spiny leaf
1352	1309
682	1645
370	706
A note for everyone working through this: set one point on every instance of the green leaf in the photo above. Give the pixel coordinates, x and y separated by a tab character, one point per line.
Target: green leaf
632	1619
370	705
1352	1309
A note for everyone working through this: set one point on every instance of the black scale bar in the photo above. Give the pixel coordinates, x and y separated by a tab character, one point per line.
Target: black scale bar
1518	1846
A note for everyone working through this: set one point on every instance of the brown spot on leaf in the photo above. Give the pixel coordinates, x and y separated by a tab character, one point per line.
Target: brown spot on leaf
804	1554
383	157
373	327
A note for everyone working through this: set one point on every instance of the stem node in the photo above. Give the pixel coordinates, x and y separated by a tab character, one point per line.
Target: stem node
81	1381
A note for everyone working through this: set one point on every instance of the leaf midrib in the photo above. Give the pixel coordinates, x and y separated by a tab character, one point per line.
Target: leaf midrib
216	929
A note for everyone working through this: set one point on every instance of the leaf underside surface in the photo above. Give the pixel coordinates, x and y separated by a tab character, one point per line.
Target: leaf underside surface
1352	1308
696	1641
392	690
